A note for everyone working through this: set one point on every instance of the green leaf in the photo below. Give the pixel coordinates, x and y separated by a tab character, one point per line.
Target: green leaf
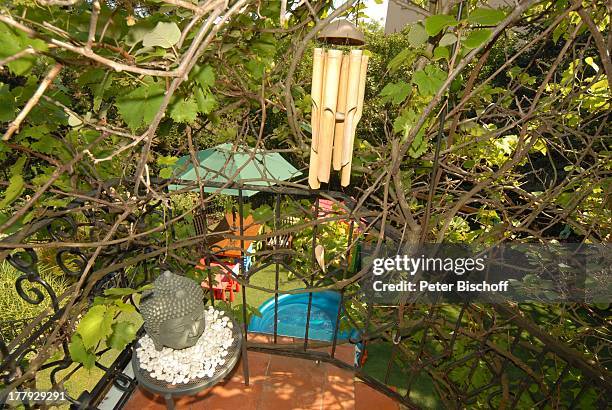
447	39
429	80
441	52
435	24
477	37
17	167
125	307
264	46
486	16
205	76
79	353
184	110
95	325
166	172
399	59
139	106
123	333
14	41
395	93
14	189
166	161
255	68
418	146
47	145
100	89
163	35
262	214
74	121
7	104
417	35
206	101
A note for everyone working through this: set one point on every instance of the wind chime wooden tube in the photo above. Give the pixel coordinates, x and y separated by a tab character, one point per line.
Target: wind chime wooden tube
338	87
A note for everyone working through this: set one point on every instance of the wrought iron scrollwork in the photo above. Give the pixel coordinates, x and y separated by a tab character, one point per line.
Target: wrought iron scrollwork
67	257
62	228
27	262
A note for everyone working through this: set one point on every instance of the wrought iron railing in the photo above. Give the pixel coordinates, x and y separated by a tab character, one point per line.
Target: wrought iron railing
425	341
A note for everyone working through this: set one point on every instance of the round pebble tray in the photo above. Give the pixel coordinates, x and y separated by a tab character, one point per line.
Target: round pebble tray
195	385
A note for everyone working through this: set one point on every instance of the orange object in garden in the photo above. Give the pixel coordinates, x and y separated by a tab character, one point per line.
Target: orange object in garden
224	286
230	250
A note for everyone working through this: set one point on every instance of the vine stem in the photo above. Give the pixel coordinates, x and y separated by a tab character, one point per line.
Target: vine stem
16	123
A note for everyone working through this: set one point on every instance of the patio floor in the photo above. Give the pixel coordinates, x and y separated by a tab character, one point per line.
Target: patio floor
279	383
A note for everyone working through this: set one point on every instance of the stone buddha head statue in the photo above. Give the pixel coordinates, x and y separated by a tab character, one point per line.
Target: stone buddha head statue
173	311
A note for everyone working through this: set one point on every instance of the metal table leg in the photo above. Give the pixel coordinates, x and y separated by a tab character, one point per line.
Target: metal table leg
169	402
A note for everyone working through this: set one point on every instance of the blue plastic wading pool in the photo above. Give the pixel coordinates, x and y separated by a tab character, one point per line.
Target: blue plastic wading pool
292	310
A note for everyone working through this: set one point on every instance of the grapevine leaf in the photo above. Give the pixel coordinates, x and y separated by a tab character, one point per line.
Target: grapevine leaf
95	325
140	105
184	110
79	353
429	80
205	76
166	172
12	42
399	59
206	101
125	307
441	52
435	24
166	161
417	35
395	92
163	35
7	104
263	213
47	144
447	39
14	189
123	333
477	37
486	16
418	146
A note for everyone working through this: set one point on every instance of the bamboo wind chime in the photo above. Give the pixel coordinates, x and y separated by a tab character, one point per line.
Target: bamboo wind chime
338	87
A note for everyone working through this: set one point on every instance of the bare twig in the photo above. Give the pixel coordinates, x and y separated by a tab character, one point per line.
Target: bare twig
26	51
87	53
600	42
16	123
93	23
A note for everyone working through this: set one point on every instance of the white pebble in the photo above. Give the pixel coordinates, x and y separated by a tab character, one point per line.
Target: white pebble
177	366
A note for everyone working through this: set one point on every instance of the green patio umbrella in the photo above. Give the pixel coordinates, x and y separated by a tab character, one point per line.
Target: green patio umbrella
237	164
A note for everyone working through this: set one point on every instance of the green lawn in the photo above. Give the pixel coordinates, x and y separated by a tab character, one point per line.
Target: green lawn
422	392
264	278
82	379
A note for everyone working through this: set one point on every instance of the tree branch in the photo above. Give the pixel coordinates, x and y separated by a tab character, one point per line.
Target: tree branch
16	123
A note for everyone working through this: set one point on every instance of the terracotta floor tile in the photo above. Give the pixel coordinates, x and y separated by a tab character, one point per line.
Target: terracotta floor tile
346	353
339	389
366	398
279	383
143	400
293	384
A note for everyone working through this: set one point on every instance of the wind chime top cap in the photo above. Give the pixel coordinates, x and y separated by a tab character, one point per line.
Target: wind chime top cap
342	32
